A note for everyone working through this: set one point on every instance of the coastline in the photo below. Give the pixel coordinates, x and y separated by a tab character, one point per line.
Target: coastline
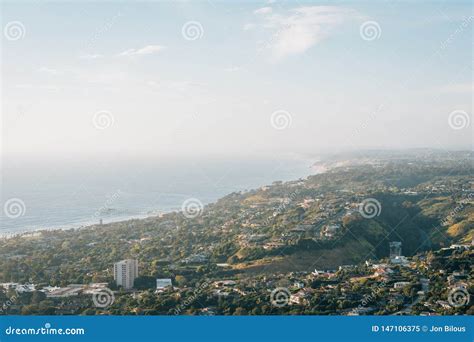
77	226
305	169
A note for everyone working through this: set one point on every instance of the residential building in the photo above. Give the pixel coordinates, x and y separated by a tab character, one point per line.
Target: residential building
401	284
125	272
162	284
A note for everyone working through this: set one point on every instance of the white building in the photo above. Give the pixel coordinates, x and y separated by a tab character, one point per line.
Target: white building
125	272
64	292
401	284
162	284
399	260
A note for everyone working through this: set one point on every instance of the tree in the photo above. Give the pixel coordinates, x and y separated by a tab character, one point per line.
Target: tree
144	283
37	297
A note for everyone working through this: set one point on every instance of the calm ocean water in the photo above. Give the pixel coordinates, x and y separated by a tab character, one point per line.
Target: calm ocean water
48	196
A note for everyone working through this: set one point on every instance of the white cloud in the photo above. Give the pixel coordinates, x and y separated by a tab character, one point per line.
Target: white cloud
91	56
49	87
186	85
233	68
458	88
263	10
299	29
49	71
147	50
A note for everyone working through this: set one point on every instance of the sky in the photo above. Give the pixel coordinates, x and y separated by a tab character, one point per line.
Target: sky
241	78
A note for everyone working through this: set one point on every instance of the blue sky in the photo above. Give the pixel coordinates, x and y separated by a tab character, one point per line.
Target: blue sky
165	93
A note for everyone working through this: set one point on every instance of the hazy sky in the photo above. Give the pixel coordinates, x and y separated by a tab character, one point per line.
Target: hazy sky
234	78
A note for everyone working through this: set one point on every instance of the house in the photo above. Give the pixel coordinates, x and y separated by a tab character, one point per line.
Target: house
347	267
220	293
300	298
162	284
20	288
383	272
49	288
330	231
8	286
224	283
25	288
207	312
399	260
196	259
64	292
444	304
360	311
455	277
298	285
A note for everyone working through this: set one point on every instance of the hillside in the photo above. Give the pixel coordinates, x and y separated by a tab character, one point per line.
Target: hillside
296	225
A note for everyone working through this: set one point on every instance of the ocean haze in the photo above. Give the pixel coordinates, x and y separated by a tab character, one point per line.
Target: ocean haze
64	196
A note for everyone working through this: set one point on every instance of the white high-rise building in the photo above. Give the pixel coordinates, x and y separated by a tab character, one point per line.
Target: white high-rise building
125	272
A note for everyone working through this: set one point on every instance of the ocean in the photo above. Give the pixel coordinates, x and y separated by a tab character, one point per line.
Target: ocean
72	195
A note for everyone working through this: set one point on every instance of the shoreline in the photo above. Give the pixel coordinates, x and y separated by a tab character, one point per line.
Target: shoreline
77	226
314	170
65	223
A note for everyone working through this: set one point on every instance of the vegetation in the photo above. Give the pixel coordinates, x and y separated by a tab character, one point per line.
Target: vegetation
267	233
